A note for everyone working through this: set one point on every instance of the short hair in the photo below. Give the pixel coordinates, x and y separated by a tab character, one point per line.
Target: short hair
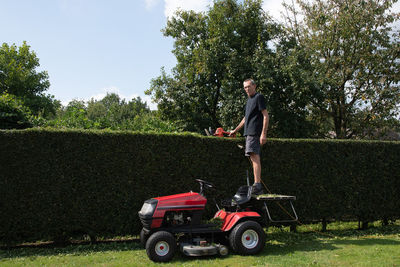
250	80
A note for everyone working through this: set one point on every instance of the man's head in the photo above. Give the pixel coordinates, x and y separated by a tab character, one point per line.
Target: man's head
250	87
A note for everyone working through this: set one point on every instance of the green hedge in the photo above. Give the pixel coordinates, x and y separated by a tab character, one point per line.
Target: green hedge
336	179
56	183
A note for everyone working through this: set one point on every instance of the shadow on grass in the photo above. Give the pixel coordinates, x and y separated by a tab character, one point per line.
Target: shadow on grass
319	245
74	248
282	243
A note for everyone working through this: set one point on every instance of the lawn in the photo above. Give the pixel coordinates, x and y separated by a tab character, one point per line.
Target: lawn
341	245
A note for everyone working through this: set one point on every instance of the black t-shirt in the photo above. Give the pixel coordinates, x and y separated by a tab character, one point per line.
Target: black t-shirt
253	117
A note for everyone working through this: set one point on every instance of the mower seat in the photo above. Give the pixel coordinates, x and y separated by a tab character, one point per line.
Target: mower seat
242	196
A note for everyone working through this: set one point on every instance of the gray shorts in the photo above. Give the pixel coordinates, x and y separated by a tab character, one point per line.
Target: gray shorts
252	145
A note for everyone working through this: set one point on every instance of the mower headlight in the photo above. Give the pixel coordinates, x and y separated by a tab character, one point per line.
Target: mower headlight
148	207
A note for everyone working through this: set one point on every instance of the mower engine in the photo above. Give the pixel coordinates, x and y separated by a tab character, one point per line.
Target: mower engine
174	218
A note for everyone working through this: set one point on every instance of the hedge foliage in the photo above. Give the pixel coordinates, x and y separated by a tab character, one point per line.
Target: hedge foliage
54	184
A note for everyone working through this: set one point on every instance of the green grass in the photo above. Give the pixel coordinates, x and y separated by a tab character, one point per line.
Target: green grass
341	245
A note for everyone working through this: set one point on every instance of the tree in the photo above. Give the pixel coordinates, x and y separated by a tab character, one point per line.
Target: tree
74	116
214	53
352	62
280	76
113	113
13	115
19	77
150	122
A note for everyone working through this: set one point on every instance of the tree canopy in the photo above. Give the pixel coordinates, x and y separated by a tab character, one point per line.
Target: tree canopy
334	70
110	112
13	115
216	51
19	76
352	62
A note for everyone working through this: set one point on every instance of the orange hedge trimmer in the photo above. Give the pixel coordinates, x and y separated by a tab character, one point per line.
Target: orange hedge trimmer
219	132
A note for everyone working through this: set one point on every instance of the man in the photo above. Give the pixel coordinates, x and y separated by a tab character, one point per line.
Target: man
255	124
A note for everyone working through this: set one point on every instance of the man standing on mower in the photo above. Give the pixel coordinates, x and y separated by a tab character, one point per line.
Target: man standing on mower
255	124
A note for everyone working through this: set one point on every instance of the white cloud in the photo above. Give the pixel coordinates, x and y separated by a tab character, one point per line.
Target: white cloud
396	9
104	92
196	5
274	8
150	104
65	103
150	3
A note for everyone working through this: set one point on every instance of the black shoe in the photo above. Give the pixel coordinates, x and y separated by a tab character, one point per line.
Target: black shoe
256	189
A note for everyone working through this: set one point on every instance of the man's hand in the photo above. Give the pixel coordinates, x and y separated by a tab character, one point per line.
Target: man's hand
263	139
240	126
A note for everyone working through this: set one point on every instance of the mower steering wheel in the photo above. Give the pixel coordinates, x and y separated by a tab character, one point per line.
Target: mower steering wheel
204	184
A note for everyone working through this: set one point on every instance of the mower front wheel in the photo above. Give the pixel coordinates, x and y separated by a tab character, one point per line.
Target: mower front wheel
161	246
247	238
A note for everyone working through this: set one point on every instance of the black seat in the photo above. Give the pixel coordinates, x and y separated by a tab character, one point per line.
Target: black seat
242	196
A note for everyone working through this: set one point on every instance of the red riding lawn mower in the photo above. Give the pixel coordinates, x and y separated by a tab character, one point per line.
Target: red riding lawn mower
175	221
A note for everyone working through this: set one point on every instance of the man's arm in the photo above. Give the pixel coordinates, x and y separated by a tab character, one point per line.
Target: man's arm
240	126
263	137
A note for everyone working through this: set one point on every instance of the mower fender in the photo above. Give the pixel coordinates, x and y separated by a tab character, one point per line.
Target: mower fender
230	219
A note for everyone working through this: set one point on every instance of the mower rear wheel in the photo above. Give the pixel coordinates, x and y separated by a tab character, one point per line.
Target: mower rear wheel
161	246
247	238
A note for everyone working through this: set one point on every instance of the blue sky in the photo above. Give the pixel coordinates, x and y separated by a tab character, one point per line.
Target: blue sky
91	47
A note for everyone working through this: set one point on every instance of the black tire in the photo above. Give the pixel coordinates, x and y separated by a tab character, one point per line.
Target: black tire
143	238
247	238
161	246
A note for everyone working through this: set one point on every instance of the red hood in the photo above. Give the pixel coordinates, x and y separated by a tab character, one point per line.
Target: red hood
185	199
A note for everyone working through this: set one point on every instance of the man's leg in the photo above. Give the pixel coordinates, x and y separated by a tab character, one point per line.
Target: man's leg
253	151
256	162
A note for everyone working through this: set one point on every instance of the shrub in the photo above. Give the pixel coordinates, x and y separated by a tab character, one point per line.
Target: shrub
56	183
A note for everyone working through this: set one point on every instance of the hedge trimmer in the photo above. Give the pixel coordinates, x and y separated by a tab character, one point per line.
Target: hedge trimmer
219	132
